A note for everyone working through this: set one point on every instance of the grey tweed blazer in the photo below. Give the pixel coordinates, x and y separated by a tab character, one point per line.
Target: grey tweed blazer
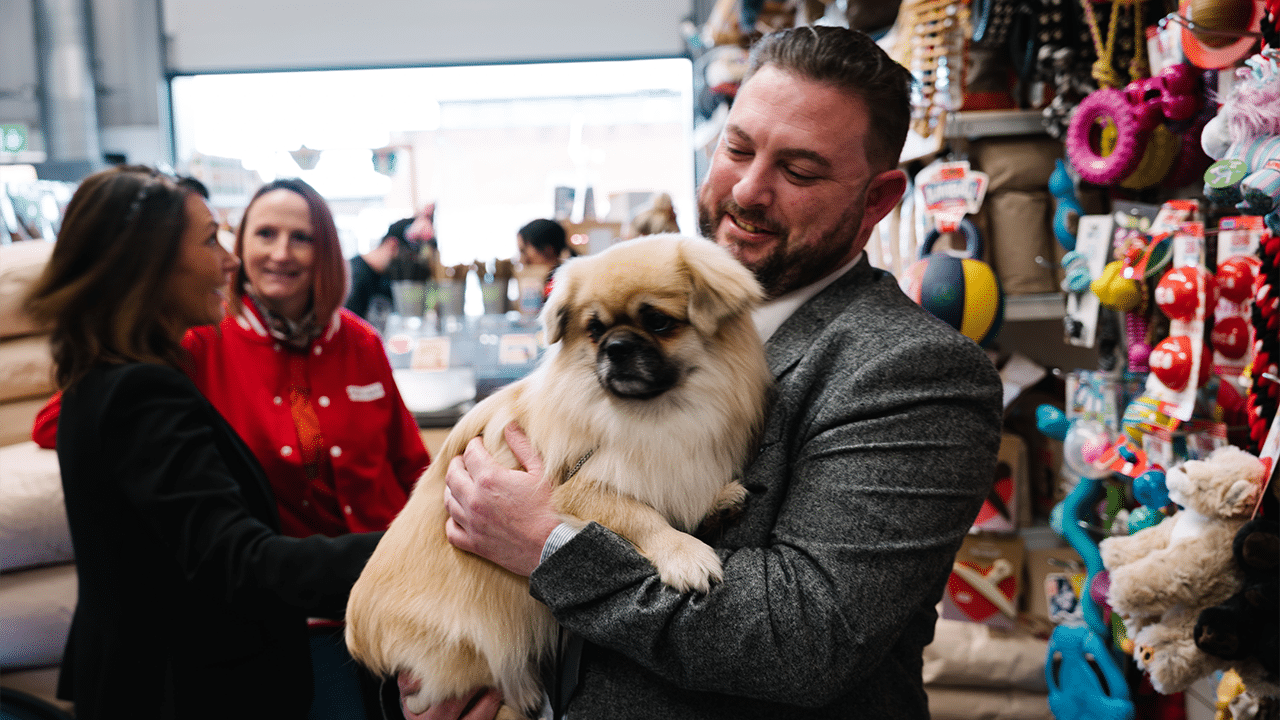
877	452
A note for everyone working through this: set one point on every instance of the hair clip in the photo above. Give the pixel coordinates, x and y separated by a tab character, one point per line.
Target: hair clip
135	207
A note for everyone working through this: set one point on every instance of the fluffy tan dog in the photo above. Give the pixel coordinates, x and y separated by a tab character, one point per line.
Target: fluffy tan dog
644	414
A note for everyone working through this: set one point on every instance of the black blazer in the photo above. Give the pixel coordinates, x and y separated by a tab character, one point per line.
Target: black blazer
191	604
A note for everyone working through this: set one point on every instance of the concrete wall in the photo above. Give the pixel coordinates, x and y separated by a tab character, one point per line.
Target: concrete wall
137	44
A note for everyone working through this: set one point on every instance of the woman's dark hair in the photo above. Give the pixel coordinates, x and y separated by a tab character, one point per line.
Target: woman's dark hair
543	235
329	279
104	286
853	62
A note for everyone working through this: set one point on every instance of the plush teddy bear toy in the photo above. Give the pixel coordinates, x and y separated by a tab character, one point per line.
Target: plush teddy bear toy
1246	627
1161	577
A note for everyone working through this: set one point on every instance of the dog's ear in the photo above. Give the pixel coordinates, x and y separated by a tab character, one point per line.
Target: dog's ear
722	287
554	315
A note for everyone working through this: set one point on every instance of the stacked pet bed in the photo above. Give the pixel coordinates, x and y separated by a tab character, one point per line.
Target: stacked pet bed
975	672
37	577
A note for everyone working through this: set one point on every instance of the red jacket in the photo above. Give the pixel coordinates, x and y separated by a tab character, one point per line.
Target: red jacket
370	439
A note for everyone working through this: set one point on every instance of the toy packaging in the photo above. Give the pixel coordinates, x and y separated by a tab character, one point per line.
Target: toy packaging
985	584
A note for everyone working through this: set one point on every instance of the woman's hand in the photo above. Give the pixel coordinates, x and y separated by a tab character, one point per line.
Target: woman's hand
500	514
482	704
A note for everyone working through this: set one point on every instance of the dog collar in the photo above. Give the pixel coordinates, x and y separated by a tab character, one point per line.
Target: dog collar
578	465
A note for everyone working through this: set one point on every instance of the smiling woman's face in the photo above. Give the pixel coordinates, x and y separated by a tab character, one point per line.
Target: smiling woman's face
279	255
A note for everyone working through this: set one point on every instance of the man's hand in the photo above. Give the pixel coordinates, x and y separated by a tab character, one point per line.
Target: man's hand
500	514
483	704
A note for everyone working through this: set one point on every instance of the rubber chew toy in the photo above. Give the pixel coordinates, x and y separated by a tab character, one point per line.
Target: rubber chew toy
988	584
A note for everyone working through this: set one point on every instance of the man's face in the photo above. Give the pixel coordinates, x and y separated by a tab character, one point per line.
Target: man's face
790	191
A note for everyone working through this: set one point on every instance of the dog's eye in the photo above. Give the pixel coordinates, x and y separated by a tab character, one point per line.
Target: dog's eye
595	328
658	323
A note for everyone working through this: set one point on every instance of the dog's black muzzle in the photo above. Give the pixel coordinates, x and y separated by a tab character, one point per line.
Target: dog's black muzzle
630	365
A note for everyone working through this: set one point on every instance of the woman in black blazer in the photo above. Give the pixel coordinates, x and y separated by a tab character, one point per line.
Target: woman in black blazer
191	604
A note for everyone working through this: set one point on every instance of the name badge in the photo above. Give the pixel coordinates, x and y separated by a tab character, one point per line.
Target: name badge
366	393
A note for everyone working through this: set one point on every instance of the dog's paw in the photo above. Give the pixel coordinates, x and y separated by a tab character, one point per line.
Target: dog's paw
725	511
730	499
415	703
684	562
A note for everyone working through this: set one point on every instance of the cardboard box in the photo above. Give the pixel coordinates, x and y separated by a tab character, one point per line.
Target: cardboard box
1055	581
1008	506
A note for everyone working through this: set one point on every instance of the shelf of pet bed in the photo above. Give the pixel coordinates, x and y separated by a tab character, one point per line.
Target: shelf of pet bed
1038	306
974	124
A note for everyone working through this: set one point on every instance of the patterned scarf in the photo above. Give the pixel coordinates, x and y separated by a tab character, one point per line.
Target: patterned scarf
296	334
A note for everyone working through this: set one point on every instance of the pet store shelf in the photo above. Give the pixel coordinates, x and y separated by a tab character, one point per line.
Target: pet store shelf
974	124
1040	306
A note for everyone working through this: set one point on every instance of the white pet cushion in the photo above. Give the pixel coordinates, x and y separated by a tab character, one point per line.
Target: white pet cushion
26	368
35	615
33	518
16	419
20	264
976	655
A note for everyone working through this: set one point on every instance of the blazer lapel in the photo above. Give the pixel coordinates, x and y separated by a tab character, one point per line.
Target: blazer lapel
793	339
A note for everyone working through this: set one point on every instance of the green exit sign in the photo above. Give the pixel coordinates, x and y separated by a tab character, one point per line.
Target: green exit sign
13	137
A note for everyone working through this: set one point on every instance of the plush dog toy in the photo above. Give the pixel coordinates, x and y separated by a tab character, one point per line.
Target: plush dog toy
1163	576
1245	628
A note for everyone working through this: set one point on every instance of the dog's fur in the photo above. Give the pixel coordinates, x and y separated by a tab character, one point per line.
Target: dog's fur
660	375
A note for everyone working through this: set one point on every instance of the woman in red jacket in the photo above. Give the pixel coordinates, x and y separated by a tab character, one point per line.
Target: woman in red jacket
304	381
307	385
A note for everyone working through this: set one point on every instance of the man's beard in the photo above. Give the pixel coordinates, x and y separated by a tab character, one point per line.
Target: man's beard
786	267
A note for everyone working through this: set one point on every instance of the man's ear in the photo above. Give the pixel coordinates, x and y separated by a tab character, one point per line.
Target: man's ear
883	193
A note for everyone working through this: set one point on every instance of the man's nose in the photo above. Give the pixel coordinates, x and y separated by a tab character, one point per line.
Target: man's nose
755	187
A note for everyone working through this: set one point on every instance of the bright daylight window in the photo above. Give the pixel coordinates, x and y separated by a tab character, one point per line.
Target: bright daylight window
493	146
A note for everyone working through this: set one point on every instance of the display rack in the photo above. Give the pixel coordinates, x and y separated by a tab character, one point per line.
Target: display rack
1039	306
975	124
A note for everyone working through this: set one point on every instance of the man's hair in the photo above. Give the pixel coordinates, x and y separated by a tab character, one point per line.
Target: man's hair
329	280
397	230
104	287
851	61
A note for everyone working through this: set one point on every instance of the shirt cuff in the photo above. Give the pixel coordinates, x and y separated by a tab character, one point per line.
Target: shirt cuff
563	533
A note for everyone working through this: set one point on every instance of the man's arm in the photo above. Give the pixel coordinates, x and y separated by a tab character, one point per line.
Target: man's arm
888	467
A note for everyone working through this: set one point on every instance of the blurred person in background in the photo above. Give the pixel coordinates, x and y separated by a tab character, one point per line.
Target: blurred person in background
544	243
659	218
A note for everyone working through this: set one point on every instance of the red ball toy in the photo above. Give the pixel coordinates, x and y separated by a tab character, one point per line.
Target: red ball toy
1178	292
1236	276
1231	337
1171	363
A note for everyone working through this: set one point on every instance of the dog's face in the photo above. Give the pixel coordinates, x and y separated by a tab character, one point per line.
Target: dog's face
644	314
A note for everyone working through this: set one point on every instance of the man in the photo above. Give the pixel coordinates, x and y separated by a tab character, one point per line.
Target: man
406	252
876	455
370	295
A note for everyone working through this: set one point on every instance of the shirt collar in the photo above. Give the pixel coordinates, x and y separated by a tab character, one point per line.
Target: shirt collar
770	315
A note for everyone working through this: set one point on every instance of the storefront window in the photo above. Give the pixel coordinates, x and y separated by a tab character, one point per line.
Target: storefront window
493	146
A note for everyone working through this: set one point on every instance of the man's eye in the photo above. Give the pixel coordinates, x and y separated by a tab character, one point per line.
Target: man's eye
801	176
